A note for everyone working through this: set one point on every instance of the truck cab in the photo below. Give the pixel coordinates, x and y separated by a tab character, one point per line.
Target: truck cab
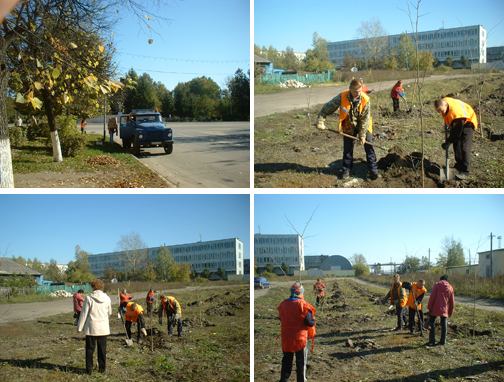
145	129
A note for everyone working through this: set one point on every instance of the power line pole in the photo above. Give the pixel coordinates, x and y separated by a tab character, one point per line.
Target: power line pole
491	253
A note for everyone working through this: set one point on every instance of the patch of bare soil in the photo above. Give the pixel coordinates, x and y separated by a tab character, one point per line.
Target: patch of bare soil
290	152
354	342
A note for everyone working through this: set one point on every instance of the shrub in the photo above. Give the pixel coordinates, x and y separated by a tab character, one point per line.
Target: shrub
445	68
17	135
40	130
71	140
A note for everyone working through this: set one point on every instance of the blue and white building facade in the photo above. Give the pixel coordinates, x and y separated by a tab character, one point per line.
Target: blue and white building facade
277	249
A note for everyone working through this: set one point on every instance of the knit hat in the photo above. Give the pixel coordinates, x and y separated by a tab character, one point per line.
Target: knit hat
297	289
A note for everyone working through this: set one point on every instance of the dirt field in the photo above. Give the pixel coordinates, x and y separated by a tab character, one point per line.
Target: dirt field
290	152
214	345
354	341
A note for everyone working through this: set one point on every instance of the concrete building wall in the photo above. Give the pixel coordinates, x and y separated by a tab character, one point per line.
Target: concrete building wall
487	262
227	254
468	41
277	249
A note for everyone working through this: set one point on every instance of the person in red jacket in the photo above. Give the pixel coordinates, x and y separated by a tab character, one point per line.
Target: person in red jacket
441	304
125	297
296	316
397	91
77	303
150	299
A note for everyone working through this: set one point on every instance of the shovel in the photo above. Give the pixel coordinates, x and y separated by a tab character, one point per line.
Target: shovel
409	109
129	342
420	322
448	173
357	139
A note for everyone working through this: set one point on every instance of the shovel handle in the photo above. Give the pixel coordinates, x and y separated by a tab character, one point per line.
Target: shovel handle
357	139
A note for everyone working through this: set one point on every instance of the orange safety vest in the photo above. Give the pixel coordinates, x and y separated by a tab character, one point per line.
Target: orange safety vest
132	315
148	298
413	295
402	304
365	89
294	332
344	109
172	299
395	91
459	109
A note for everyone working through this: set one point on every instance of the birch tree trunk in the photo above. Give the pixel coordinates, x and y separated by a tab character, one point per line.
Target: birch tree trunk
6	172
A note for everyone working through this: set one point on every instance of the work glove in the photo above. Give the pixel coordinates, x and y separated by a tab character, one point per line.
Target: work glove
362	140
321	125
144	332
446	145
178	316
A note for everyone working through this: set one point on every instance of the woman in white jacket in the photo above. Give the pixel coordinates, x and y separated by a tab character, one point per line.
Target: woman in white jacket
94	320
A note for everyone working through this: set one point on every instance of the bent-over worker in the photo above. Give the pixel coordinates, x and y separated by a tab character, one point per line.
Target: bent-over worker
173	311
462	122
415	297
134	313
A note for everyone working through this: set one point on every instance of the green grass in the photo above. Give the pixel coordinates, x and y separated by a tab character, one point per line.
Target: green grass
28	298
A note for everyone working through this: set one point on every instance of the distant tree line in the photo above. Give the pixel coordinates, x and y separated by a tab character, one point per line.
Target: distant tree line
199	99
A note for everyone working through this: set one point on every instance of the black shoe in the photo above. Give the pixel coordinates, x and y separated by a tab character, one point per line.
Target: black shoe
373	175
396	329
430	344
345	175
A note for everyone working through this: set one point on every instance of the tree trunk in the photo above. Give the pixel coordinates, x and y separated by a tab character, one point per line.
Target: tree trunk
51	120
6	172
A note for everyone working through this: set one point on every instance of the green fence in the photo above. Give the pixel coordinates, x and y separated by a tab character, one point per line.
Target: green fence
71	289
306	79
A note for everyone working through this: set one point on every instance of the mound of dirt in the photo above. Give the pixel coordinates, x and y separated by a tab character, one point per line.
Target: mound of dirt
103	160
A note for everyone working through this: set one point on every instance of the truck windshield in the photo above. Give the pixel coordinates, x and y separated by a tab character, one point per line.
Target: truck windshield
148	118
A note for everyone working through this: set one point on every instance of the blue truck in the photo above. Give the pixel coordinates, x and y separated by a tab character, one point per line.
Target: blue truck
145	128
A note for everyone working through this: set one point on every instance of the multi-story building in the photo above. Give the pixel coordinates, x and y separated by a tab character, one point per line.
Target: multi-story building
495	53
227	254
278	249
453	42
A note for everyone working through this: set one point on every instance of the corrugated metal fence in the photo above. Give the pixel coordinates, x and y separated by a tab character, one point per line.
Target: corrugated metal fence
306	79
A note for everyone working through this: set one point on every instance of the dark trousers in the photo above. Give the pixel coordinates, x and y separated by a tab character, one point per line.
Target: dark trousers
149	307
395	103
102	352
401	316
172	323
432	333
348	146
462	148
301	358
412	315
140	325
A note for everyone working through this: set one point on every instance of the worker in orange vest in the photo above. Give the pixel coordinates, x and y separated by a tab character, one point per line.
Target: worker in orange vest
298	324
462	121
365	89
355	120
134	313
82	125
415	297
398	299
173	311
397	91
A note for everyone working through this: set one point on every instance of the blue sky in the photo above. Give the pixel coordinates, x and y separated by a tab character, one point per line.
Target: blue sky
292	23
202	38
51	226
382	227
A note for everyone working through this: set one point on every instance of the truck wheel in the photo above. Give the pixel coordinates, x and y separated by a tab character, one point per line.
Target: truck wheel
168	149
136	147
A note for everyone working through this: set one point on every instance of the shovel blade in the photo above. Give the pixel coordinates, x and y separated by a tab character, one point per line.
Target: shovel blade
129	343
447	173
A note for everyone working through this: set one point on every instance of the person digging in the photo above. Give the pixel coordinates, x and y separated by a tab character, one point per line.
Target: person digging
173	311
319	289
134	313
355	120
462	122
398	299
416	294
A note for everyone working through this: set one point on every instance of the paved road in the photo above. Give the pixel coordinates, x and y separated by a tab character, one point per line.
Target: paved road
266	104
34	310
481	303
205	154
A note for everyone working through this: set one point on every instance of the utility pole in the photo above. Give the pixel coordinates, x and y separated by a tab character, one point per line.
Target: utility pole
428	267
491	254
